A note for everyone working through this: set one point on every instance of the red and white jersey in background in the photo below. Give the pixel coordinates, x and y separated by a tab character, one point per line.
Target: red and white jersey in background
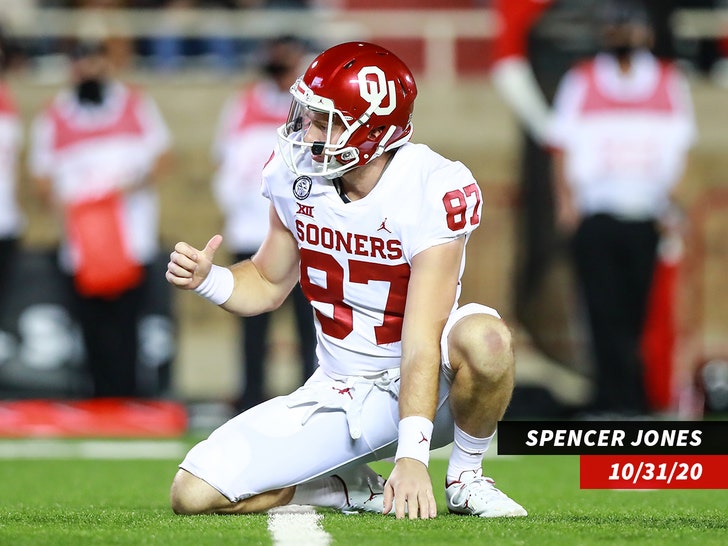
89	151
11	219
356	257
625	137
244	141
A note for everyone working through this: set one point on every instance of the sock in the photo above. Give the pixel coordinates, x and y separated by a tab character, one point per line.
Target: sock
467	454
323	492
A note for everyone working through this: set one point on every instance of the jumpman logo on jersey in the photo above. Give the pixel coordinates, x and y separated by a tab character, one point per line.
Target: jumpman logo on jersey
347	390
384	226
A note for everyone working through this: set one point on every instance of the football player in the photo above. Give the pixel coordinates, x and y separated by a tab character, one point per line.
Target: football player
374	228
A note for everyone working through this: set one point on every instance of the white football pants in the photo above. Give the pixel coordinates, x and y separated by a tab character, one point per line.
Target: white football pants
321	427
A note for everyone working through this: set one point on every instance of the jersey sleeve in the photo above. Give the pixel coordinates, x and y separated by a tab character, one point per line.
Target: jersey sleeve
686	132
40	156
268	174
157	136
567	100
451	207
223	128
275	173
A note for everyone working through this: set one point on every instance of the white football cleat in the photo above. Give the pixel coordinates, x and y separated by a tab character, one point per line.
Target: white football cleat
364	490
476	495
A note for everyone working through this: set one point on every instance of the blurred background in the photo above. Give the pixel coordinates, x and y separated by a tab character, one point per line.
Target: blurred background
191	56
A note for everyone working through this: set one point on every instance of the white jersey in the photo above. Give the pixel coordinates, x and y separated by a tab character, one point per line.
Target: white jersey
624	136
11	219
356	257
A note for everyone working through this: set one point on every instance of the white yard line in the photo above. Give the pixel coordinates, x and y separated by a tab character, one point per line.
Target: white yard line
297	526
58	448
92	449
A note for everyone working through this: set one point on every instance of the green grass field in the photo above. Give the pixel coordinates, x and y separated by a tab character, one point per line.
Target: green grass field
72	500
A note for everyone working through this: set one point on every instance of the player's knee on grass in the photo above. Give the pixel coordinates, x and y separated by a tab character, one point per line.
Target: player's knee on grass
190	495
484	345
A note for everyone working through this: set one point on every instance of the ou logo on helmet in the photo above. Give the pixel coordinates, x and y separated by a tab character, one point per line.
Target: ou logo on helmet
375	91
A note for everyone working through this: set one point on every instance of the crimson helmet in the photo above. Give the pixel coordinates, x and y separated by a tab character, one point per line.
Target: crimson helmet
361	86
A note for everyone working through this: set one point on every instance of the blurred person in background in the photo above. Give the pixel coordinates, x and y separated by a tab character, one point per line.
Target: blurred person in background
97	150
621	129
11	217
244	141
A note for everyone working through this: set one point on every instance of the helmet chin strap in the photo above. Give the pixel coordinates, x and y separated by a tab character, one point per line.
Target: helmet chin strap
337	169
382	147
333	162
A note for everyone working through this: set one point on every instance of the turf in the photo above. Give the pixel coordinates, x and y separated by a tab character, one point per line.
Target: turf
80	501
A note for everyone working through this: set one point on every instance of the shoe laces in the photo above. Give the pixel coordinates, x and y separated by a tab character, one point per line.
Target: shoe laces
475	486
465	479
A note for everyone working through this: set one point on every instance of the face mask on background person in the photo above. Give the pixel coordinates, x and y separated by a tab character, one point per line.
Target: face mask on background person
621	51
90	91
275	68
625	27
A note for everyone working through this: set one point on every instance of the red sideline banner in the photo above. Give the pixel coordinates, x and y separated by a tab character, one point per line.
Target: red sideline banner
653	471
99	417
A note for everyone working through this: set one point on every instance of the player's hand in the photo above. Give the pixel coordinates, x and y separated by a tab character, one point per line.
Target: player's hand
410	487
188	266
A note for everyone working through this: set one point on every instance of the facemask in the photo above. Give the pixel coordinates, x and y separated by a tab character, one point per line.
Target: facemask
90	91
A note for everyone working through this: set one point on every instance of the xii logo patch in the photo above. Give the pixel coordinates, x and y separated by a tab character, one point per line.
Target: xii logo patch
306	210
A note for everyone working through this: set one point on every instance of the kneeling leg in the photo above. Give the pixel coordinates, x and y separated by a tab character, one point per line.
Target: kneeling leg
190	495
481	356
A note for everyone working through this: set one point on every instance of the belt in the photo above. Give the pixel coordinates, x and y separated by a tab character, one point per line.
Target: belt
346	395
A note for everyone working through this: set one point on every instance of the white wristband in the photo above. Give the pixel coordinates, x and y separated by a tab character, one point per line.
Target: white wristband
218	285
415	435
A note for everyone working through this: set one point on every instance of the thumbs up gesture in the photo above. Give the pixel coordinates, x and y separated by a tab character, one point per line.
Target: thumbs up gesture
188	266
